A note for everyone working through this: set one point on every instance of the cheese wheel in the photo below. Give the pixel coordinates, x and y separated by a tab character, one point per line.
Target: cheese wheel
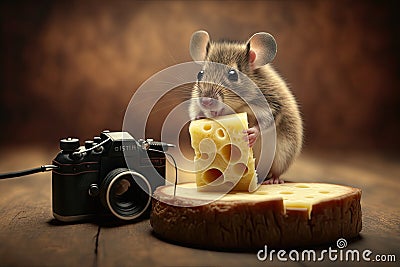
279	215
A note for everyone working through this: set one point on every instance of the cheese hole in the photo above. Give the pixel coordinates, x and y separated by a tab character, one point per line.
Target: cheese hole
261	193
207	127
286	193
230	153
211	175
302	186
207	145
309	196
221	133
240	169
324	192
204	156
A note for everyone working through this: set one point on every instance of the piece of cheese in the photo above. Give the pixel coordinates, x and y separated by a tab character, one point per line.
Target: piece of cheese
223	160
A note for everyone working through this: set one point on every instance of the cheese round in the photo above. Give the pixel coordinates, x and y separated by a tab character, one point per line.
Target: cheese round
279	215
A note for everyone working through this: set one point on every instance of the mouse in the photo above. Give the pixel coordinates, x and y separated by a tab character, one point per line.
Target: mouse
252	58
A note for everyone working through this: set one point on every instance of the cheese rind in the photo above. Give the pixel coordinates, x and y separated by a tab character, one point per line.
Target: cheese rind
222	155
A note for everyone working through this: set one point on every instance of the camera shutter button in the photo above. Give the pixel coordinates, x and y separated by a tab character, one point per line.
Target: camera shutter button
69	144
94	190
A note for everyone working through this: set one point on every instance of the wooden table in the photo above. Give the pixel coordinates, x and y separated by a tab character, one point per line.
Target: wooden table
29	236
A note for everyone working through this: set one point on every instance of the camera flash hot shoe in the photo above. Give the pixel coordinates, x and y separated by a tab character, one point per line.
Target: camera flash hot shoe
113	174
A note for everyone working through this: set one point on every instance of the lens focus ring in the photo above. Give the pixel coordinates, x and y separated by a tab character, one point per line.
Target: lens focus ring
125	193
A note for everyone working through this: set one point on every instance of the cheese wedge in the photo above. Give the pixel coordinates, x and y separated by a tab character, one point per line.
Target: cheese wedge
278	215
223	159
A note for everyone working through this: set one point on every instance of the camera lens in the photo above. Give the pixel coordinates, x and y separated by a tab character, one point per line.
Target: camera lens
126	193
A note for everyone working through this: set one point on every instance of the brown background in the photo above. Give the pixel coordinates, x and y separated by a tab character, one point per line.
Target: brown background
70	68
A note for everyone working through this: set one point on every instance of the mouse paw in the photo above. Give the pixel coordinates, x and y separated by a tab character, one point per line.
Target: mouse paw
252	135
200	117
273	180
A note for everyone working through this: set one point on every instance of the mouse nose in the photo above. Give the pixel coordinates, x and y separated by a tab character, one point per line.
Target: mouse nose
207	102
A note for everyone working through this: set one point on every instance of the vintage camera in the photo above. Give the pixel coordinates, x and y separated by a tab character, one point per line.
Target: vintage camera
113	174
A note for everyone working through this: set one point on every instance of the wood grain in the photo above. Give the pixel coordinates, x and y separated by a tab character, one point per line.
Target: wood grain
30	237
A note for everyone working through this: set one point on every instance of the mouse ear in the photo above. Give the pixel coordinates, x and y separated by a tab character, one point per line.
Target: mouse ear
198	45
262	49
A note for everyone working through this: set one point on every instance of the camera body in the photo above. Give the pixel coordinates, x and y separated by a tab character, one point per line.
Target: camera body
111	174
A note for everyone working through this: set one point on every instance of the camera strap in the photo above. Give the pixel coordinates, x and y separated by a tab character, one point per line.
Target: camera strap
44	168
173	159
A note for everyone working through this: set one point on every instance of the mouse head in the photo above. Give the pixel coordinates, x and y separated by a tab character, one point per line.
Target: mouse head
258	51
215	82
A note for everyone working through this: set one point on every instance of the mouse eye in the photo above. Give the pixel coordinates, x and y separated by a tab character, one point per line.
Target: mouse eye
232	76
200	75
